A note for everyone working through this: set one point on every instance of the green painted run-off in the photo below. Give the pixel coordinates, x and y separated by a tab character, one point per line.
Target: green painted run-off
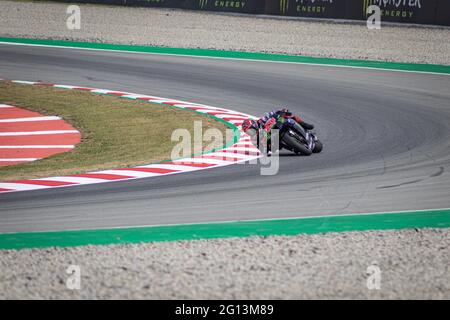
235	55
313	225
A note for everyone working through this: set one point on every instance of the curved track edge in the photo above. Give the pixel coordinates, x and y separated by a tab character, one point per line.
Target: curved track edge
439	218
239	149
235	55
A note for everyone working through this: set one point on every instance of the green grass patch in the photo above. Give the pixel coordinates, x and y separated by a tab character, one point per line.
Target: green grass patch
116	132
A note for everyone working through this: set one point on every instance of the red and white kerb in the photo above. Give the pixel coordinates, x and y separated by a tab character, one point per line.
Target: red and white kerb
28	136
35	136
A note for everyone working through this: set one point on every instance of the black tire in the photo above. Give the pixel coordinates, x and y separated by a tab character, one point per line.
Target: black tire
318	147
296	145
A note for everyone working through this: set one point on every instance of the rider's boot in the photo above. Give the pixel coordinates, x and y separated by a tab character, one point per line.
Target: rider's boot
307	126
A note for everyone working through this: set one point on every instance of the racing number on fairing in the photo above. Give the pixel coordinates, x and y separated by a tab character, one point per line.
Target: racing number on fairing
270	123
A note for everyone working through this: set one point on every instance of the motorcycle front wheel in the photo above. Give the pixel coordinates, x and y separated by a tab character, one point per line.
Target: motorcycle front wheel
296	145
318	147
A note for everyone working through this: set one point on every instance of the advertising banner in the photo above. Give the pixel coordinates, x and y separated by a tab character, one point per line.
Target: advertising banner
315	8
443	12
404	11
156	3
240	6
407	11
137	3
308	8
113	2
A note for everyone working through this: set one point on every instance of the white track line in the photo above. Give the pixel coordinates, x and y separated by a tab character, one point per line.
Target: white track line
176	167
200	160
19	159
77	180
21	186
100	91
23	82
31	133
129	173
226	58
62	86
39	147
49	118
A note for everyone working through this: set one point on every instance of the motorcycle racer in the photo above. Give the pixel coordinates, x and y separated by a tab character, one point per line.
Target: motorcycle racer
252	127
287	114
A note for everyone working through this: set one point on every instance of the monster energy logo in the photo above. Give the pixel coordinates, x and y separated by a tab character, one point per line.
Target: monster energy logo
284	5
367	4
400	4
203	3
397	7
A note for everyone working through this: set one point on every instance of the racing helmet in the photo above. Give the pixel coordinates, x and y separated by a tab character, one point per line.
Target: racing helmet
286	112
249	126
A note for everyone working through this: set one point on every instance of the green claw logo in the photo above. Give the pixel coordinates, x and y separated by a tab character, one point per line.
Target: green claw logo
367	4
284	4
203	4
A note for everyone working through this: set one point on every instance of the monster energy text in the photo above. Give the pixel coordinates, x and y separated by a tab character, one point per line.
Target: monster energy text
223	4
229	4
394	8
312	6
311	9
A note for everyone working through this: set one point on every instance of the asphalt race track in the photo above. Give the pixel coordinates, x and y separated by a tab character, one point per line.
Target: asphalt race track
386	141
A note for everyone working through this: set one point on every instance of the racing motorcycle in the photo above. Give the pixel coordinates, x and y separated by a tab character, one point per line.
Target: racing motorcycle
292	136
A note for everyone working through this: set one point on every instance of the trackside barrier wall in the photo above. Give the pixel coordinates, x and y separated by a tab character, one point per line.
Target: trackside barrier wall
405	11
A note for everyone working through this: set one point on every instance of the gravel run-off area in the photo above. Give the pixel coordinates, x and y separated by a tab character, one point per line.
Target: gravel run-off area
410	263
